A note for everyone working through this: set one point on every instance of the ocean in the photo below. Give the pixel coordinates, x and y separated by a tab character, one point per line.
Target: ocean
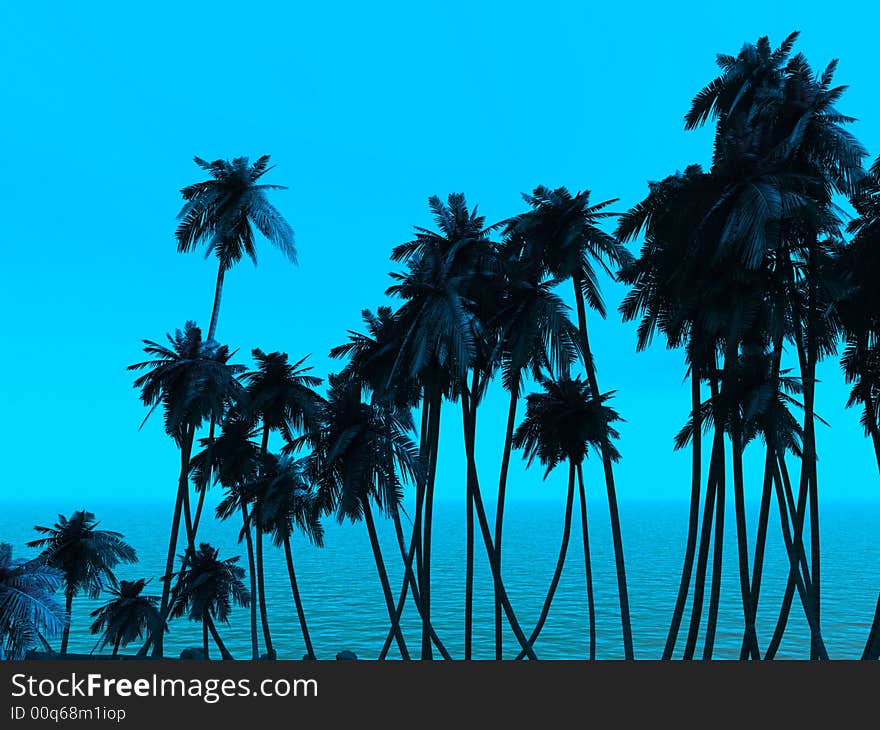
345	608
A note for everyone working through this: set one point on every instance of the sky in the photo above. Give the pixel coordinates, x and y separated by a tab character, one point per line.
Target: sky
367	109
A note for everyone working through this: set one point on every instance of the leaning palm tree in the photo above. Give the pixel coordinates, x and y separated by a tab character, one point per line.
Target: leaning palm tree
220	213
194	382
29	610
85	555
284	501
126	617
206	590
561	235
562	423
281	396
362	455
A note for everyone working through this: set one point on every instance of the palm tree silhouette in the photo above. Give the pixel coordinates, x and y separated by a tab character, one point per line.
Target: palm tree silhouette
85	556
126	617
220	213
194	381
28	608
206	589
561	424
561	235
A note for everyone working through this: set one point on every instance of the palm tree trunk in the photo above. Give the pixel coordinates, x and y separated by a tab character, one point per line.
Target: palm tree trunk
871	417
705	538
750	638
760	541
205	648
469	416
224	652
288	553
617	539
383	579
252	575
588	568
499	510
872	646
261	590
65	634
261	578
116	644
693	517
425	581
560	561
409	581
717	560
204	489
218	293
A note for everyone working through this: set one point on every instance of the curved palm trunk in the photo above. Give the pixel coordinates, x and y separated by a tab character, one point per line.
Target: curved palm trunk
705	539
717	560
224	652
588	568
617	539
252	574
205	639
872	645
760	544
261	578
469	417
201	502
383	578
425	579
409	581
218	293
750	638
693	517
499	510
288	553
116	644
871	417
65	634
560	561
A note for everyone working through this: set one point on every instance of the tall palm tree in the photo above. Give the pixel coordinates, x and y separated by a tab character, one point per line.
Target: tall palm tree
232	460
28	607
206	590
535	333
562	423
562	236
221	213
126	617
281	396
85	555
193	381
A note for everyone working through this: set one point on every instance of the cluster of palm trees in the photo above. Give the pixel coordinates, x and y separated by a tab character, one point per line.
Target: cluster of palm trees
745	266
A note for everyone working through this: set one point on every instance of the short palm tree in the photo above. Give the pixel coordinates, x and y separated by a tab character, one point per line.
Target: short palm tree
85	555
194	382
206	589
28	607
221	213
562	423
126	617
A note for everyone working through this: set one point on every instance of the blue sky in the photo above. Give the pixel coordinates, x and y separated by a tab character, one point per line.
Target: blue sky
366	109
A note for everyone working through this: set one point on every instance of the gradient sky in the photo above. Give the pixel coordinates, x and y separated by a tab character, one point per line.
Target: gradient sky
366	109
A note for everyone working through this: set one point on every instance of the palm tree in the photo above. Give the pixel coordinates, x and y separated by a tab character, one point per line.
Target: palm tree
232	459
85	555
535	332
28	608
281	395
127	617
284	500
562	423
362	455
563	237
221	213
194	381
206	590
